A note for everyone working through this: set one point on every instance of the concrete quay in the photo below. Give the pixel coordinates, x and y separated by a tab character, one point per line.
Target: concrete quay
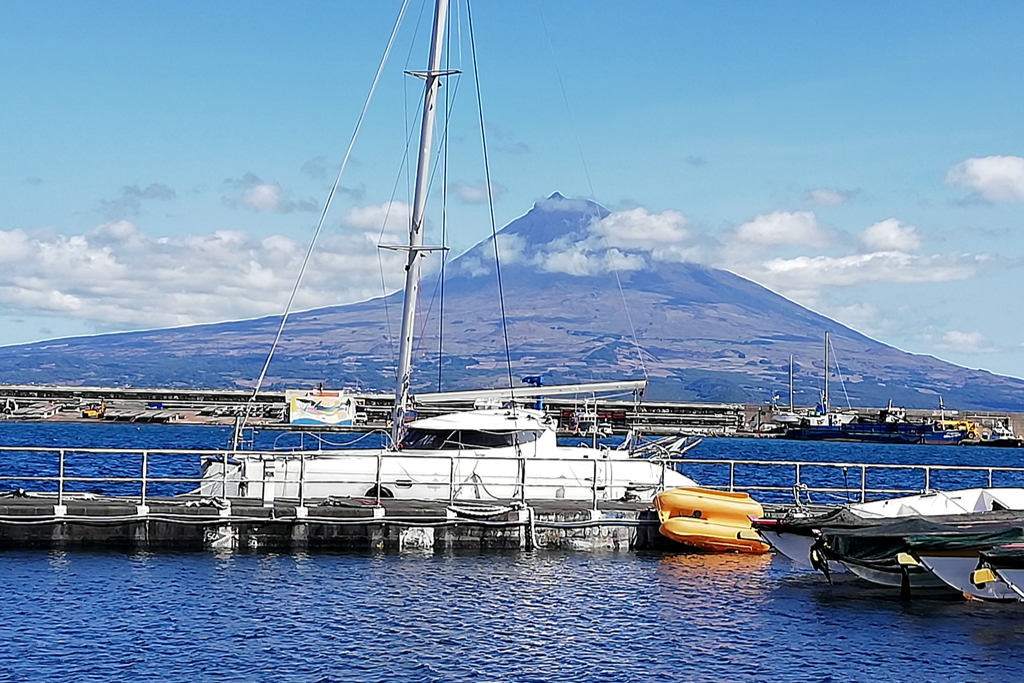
220	407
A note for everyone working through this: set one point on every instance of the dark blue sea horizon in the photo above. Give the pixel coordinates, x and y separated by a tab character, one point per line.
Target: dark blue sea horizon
80	615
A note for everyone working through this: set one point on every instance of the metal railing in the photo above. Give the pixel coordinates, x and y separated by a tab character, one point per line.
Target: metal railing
595	475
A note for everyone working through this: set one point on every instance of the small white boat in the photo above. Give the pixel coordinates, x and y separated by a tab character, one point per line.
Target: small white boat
959	570
794	535
1004	564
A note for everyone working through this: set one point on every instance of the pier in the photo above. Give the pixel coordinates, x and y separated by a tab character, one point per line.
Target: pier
65	502
269	410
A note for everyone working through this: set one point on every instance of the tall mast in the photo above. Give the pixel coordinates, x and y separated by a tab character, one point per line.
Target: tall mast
825	395
432	80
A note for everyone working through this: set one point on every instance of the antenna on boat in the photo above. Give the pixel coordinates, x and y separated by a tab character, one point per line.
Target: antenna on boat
824	396
432	81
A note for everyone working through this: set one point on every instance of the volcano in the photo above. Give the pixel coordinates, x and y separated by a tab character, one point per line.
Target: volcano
580	305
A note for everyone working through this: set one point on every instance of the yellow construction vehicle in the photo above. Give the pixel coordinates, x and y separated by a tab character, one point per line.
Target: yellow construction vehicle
95	412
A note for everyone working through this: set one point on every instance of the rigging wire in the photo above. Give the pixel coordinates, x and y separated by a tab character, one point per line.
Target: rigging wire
490	200
590	184
438	162
380	238
323	215
444	202
839	370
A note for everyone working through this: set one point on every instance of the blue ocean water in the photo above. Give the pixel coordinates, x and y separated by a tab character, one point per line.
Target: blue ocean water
524	616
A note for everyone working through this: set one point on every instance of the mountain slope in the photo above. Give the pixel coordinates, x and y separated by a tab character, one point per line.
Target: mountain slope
706	334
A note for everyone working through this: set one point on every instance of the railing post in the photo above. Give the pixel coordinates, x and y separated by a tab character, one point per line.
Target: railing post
302	479
451	479
593	484
863	483
376	487
732	475
224	478
60	479
927	478
145	474
990	477
522	478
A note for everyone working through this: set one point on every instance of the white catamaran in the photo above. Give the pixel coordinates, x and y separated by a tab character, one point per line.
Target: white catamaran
488	454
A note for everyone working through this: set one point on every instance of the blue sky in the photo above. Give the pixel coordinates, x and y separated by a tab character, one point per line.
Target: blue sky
164	163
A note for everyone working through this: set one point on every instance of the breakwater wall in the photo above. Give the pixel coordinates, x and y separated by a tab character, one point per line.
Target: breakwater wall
269	410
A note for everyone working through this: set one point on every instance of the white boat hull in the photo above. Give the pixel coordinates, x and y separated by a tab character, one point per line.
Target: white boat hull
797	548
469	476
919	577
1013	579
956	572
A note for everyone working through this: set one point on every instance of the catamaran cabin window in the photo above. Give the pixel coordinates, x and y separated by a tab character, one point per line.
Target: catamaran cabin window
430	440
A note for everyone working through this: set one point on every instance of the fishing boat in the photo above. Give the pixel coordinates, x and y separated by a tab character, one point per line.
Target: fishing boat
502	453
824	423
891	426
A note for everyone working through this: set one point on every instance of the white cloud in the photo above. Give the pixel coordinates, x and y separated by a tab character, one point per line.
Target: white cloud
995	178
393	217
639	229
511	248
965	342
260	196
889	235
824	196
803	278
386	224
14	246
862	316
578	260
783	228
477	194
116	275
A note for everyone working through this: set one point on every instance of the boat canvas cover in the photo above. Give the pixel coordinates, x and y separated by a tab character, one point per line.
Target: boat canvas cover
880	544
1010	557
806	525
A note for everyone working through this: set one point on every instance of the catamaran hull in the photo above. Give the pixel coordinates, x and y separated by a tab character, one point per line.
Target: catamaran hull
324	475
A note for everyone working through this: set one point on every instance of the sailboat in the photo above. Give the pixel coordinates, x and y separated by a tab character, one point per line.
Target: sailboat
823	415
487	454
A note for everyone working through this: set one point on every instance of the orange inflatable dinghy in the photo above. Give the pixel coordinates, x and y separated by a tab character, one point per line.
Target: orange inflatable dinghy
716	521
